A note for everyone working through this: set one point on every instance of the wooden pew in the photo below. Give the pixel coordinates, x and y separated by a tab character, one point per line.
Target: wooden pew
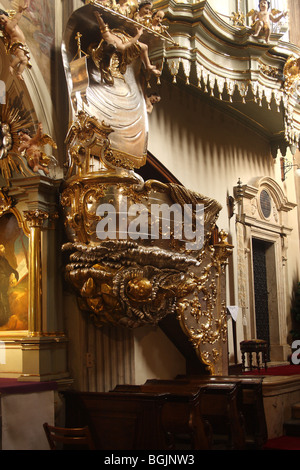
133	420
169	414
250	402
219	406
118	422
182	422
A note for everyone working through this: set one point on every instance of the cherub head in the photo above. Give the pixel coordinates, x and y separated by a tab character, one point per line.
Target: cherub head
23	133
157	17
145	8
264	3
154	97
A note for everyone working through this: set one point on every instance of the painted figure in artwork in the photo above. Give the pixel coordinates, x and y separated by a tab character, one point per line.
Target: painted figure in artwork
129	46
32	147
262	19
15	40
8	276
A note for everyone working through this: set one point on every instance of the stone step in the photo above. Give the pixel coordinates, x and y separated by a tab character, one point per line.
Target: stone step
292	427
296	411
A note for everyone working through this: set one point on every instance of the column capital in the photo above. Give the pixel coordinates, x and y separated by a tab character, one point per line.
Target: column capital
35	218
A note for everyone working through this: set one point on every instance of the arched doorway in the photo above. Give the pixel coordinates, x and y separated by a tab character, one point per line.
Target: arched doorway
262	250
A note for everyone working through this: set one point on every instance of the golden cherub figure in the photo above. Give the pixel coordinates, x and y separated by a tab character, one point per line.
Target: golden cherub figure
262	19
32	148
14	39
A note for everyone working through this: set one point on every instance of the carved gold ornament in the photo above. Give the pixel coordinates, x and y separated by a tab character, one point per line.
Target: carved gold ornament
238	18
291	72
10	125
202	315
6	202
131	283
87	142
124	284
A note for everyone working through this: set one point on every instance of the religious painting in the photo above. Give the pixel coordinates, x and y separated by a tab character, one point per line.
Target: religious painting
13	275
38	25
40	16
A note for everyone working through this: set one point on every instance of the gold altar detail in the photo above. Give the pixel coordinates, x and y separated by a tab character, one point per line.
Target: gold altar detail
10	125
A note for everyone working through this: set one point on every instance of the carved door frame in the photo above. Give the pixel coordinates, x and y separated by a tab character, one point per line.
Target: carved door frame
263	214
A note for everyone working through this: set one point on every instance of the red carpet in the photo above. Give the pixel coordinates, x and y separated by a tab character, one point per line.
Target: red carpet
283	443
280	370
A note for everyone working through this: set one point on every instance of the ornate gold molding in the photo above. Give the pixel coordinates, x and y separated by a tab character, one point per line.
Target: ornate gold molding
291	72
130	283
8	204
35	218
203	316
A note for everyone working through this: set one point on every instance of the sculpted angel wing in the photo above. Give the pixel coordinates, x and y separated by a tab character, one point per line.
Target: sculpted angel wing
11	13
251	13
46	139
275	12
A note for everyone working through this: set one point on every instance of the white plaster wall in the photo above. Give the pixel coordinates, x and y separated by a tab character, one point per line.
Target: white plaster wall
155	356
290	186
205	149
224	7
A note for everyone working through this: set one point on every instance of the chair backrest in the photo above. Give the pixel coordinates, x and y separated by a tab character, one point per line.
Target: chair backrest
69	438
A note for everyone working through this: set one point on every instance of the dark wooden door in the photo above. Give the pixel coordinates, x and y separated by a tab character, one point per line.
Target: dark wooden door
261	289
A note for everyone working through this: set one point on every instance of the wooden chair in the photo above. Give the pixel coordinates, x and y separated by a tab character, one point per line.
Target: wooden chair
69	438
255	346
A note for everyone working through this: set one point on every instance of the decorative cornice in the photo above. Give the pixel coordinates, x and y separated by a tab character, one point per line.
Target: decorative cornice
224	61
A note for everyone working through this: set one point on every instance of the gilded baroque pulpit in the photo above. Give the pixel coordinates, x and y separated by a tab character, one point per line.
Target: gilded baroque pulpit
138	250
